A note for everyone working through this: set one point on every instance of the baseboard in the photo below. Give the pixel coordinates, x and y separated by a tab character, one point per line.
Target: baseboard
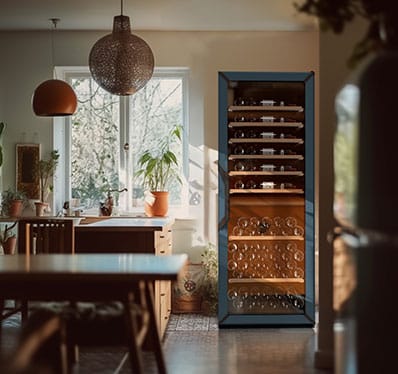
324	359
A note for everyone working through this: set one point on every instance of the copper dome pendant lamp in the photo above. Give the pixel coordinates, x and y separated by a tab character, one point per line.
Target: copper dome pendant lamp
121	63
54	97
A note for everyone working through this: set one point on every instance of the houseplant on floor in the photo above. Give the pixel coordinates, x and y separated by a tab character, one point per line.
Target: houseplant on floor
46	169
158	169
210	280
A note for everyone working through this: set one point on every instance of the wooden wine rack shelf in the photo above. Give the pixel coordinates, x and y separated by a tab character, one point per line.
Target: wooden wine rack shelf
298	125
266	191
266	140
266	157
266	108
264	237
266	280
283	173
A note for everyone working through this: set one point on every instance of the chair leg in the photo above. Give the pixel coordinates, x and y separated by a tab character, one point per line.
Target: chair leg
43	341
153	330
134	349
24	311
66	366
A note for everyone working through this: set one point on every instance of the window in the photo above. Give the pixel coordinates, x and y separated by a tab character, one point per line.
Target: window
108	133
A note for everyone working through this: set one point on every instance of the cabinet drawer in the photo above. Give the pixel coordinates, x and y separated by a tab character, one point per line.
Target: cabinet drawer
163	241
163	324
162	304
164	287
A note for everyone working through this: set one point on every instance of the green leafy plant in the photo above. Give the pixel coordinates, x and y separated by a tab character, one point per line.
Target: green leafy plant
210	279
336	14
8	196
46	169
158	168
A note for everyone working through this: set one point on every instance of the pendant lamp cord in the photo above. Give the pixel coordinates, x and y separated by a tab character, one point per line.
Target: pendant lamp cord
121	7
54	22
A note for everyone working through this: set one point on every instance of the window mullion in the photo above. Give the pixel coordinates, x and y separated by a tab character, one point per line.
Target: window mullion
125	154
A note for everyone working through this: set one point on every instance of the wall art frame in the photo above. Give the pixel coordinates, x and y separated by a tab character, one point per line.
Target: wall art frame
27	161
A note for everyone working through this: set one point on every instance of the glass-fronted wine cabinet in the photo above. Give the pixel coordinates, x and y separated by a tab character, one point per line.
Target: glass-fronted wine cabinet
266	198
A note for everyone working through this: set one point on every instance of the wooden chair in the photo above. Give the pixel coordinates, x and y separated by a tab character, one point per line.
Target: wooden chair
114	324
6	310
42	235
94	324
42	347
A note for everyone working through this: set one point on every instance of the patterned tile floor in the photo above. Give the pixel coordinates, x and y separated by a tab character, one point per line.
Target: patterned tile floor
194	345
192	322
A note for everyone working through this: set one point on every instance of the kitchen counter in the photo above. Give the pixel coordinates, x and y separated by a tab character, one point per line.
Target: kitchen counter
121	234
131	235
131	223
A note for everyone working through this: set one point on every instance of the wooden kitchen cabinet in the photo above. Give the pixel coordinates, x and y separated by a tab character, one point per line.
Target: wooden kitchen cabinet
163	246
131	235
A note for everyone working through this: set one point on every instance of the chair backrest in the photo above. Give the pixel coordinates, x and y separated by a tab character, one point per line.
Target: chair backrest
42	235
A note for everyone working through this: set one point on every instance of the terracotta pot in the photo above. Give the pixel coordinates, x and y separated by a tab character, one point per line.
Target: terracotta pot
9	245
40	208
15	209
157	204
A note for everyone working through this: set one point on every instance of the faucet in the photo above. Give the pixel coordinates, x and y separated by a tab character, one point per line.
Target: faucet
107	207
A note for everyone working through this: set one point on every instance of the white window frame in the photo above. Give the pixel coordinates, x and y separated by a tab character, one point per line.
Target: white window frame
62	134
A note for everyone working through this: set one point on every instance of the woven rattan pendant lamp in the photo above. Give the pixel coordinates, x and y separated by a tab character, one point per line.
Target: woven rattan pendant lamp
121	63
54	97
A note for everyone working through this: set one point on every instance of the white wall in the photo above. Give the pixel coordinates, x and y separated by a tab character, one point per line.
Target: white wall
26	62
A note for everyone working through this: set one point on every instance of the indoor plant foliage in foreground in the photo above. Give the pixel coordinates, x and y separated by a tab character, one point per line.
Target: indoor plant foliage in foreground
336	14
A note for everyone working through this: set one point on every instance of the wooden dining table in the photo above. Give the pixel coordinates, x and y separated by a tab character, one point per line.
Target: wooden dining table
93	277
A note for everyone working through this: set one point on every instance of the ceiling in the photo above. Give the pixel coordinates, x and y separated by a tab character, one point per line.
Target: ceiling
217	15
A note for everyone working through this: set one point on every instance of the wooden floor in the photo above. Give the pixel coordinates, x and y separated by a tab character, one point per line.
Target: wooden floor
194	345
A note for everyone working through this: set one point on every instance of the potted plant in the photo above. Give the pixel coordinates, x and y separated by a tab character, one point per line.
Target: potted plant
12	202
210	280
157	169
46	169
8	239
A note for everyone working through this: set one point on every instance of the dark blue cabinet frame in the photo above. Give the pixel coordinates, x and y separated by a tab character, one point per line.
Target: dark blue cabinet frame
306	318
